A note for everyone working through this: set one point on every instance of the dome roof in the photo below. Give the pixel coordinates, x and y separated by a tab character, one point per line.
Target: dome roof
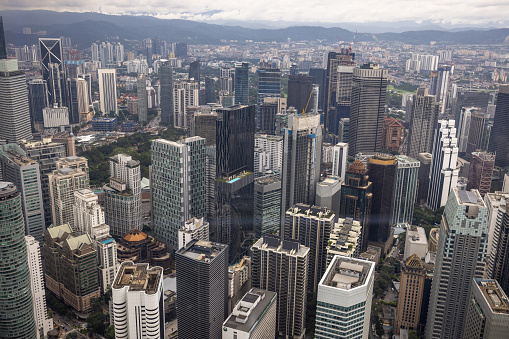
357	167
135	235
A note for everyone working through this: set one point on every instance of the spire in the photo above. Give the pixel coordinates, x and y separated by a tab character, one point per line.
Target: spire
3	50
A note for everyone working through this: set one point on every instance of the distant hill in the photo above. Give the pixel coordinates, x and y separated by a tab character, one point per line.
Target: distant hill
85	28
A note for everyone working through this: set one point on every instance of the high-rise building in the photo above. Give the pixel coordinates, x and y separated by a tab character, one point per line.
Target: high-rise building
38	95
383	171
268	155
498	263
439	86
137	295
476	134
345	239
499	137
239	281
94	48
488	311
343	131
16	300
267	205
63	182
186	93
423	121
269	85
205	127
64	252
194	71
42	321
254	316
3	49
299	92
72	102
274	261
481	172
210	90
443	174
392	134
194	228
356	199
319	76
14	108
167	96
210	171
302	150
269	109
346	288
141	87
180	49
311	227
52	62
339	161
411	289
423	176
202	282
461	256
25	174
367	109
108	90
178	185
464	128
242	83
416	242
405	190
328	194
122	196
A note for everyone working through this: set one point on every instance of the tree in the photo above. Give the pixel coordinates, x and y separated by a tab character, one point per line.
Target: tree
95	323
110	332
72	335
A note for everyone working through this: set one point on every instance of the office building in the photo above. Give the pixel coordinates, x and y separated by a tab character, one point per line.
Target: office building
356	199
345	239
319	76
64	252
137	295
405	190
186	94
343	130
14	108
269	109
488	311
343	96
481	172
463	129
141	88
108	90
63	182
167	95
439	86
299	92
194	71
392	134
52	63
210	90
210	172
268	155
267	205
73	100
181	165
498	239
239	281
301	168
122	196
205	127
423	176
269	85
411	289
254	316
38	95
499	137
339	161
3	49
242	83
367	109
461	256
273	261
383	173
55	117
16	299
328	194
443	174
415	242
104	124
180	49
194	228
311	227
202	282
25	174
344	299
42	321
139	247
476	134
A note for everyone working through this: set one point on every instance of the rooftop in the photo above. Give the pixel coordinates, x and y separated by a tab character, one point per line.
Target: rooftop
347	273
7	189
138	277
493	295
416	235
283	246
472	197
267	180
201	250
311	211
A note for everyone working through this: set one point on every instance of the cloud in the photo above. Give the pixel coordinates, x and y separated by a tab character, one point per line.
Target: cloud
327	11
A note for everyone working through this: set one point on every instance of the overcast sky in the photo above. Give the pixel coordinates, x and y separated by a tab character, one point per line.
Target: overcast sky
462	12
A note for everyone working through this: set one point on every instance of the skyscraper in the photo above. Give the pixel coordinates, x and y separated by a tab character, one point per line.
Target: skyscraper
499	137
339	161
108	90
14	108
476	134
346	287
242	83
202	282
440	86
367	109
167	97
302	150
383	170
186	94
194	71
498	240
178	185
267	205
299	92
319	76
423	121
268	156
3	50
138	310
38	95
16	300
310	226
210	90
52	62
488	311
443	174
405	190
275	261
141	88
481	172
423	176
122	196
180	50
461	256
269	85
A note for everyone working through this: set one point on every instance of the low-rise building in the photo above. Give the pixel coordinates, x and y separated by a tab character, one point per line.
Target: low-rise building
415	242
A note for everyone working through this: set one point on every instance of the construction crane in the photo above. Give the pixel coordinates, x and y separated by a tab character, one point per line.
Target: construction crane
353	40
309	99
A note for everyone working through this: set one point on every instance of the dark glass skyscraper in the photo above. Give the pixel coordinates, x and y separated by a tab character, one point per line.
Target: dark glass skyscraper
499	137
181	50
194	70
210	90
319	78
38	95
242	83
299	92
166	81
269	85
3	49
16	311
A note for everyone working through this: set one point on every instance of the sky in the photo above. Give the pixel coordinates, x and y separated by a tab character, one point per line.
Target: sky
452	12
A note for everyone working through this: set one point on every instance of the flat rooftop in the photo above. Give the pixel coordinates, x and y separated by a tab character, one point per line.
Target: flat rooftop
138	277
472	197
346	273
493	295
312	211
201	250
